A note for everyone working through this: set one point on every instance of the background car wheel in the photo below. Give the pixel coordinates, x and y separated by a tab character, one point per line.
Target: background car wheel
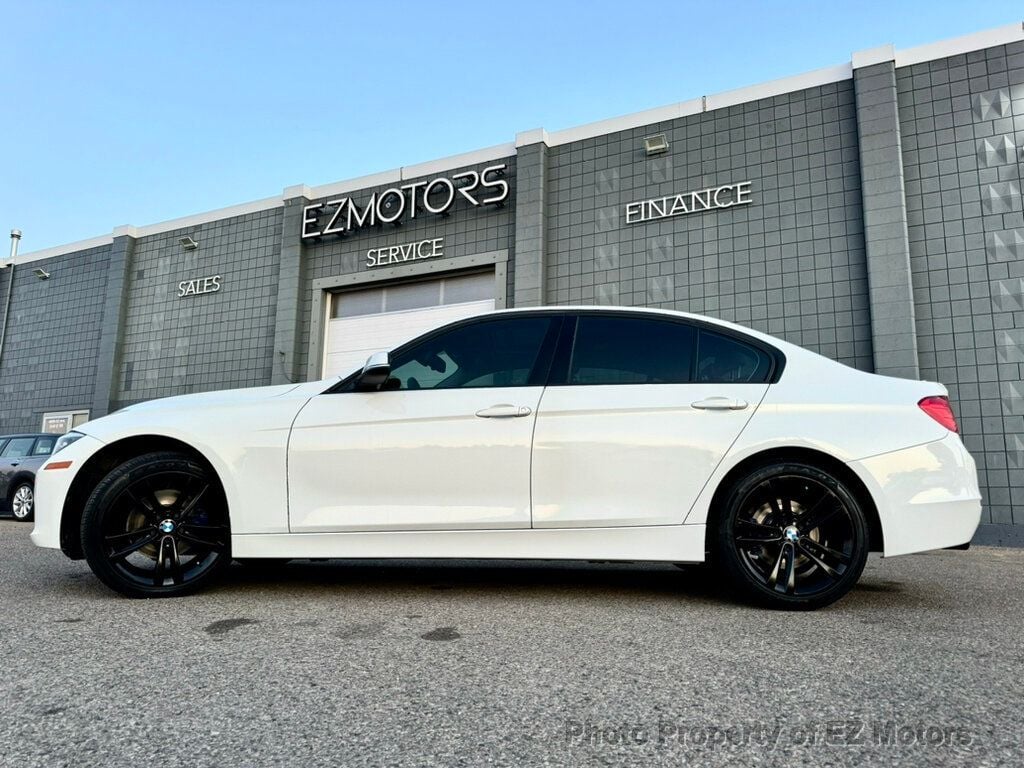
23	502
791	536
157	526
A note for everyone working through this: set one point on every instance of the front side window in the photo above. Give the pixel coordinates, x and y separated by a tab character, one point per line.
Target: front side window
725	360
631	350
18	447
490	353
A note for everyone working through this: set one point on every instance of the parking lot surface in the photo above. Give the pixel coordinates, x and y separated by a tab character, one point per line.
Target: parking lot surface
348	663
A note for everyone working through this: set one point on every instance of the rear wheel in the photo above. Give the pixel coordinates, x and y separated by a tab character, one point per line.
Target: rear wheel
23	502
157	526
792	536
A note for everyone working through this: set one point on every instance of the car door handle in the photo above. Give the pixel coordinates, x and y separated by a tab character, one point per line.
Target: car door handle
720	404
15	463
504	411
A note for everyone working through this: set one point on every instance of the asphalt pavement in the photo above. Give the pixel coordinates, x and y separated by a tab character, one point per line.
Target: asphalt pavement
351	663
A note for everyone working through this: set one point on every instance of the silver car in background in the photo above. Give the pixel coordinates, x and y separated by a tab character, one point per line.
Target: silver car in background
20	457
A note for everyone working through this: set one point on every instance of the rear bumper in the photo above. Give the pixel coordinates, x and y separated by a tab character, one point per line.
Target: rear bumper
927	496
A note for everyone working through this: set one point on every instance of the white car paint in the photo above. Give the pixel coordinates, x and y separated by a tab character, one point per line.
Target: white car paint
412	460
448	485
632	454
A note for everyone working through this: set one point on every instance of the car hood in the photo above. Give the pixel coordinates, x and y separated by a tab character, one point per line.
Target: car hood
219	397
192	412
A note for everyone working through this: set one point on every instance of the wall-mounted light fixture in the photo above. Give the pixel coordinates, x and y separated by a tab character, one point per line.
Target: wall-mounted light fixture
41	273
655	145
188	243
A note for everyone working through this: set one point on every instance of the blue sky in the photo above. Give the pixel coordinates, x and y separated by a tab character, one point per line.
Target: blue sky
136	112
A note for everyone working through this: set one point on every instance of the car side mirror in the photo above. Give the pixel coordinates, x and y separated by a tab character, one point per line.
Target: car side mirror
375	372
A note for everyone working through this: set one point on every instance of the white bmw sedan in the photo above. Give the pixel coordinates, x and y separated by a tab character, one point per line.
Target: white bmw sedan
555	433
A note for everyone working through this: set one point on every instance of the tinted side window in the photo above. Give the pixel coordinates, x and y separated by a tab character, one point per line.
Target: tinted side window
631	350
725	360
493	353
44	446
18	447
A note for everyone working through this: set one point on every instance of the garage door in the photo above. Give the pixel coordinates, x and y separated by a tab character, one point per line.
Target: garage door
371	320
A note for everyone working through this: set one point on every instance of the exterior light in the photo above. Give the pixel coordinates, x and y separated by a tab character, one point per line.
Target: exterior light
655	145
188	243
41	273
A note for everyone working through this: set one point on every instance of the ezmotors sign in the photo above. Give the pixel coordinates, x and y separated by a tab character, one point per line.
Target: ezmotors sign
725	196
396	204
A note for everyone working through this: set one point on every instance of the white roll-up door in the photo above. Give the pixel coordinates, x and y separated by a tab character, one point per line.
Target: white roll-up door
374	319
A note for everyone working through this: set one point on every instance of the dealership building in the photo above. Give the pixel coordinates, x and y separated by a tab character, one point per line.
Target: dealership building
871	212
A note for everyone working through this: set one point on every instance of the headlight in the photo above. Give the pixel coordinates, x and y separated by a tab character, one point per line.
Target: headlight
65	440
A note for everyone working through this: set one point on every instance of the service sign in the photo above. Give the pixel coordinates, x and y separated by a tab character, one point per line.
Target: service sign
725	196
394	205
390	255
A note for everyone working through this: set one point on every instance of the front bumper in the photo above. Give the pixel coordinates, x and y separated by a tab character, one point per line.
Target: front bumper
52	487
927	496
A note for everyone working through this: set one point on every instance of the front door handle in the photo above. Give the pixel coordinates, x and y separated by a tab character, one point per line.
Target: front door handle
15	463
720	404
504	411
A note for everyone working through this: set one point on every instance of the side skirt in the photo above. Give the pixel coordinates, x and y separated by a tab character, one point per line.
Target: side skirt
665	543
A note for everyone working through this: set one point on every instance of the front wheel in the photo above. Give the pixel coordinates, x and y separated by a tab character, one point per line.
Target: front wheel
23	503
792	536
157	526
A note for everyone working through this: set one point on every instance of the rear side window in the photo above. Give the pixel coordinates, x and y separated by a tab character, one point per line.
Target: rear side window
18	447
44	446
726	360
631	350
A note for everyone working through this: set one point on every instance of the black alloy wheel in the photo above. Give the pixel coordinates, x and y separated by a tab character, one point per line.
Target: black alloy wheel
157	526
792	536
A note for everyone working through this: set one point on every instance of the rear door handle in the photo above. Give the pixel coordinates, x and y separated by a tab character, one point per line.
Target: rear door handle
720	404
504	411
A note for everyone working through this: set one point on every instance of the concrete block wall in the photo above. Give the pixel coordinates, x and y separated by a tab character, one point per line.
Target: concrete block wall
50	354
962	126
172	345
792	263
885	221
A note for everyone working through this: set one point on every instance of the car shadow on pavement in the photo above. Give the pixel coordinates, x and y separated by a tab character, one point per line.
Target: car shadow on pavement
504	578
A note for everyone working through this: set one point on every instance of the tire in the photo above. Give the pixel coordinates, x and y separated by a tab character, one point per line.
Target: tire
791	536
23	503
157	526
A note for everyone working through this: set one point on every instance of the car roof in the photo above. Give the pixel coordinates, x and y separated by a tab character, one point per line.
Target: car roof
28	434
775	341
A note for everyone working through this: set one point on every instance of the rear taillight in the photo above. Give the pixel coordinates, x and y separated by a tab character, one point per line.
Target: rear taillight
938	407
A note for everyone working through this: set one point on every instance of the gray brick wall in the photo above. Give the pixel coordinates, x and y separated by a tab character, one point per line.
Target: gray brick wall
962	123
792	263
885	222
467	231
49	356
173	345
531	227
